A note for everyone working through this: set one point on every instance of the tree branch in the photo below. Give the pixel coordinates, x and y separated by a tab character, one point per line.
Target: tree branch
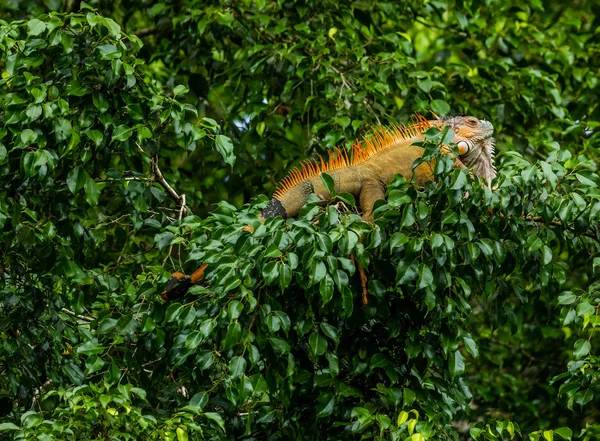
144	32
158	176
85	318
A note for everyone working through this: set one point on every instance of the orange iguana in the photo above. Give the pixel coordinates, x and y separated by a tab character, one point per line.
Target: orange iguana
364	173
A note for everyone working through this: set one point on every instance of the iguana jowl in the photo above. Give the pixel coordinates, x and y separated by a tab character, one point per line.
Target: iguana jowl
370	166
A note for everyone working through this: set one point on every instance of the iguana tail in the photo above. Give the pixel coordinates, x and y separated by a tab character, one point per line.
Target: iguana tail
179	284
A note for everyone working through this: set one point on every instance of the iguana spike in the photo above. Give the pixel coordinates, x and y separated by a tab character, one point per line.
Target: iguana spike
378	140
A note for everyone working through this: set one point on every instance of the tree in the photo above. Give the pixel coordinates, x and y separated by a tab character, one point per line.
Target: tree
132	134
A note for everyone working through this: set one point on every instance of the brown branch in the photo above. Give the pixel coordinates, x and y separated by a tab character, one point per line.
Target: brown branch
144	32
179	199
162	181
158	176
85	318
182	207
37	395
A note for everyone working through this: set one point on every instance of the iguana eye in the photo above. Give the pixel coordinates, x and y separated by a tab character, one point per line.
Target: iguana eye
463	147
472	121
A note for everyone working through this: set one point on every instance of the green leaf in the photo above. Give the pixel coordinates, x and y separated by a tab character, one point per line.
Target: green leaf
449	217
564	433
581	348
270	271
566	298
180	90
96	136
331	332
90	347
471	346
585	308
35	27
461	181
33	112
329	183
232	338
109	52
225	148
122	133
31	419
318	344
326	405
440	107
235	309
284	320
462	20
317	271
585	181
408	216
456	364
113	27
163	239
333	361
280	345
260	128
74	88
28	136
408	397
285	276
326	289
237	366
425	276
94	19
92	192
74	373
216	418
398	197
181	434
5	427
100	102
378	361
173	312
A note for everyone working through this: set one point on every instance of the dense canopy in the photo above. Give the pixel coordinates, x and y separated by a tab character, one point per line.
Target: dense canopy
138	138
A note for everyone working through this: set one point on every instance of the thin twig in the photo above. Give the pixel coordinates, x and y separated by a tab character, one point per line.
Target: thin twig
144	32
158	176
345	83
37	395
182	207
85	318
162	181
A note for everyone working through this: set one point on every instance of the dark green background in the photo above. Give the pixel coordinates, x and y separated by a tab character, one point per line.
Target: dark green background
483	305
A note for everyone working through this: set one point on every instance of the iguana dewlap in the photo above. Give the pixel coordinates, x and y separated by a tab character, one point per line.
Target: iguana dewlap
373	163
370	166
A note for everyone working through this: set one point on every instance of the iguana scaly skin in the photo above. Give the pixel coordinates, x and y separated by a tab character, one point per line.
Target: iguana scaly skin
374	162
371	165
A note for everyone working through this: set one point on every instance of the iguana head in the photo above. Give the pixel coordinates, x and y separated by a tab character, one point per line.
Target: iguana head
476	147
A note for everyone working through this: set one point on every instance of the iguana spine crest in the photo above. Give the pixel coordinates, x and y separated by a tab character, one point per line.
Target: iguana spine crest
380	139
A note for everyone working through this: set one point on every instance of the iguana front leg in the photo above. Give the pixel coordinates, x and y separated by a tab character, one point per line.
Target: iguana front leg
372	190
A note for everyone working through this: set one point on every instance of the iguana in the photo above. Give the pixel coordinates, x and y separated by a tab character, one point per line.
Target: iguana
367	170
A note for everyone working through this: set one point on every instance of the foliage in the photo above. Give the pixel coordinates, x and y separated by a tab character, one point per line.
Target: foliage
123	123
